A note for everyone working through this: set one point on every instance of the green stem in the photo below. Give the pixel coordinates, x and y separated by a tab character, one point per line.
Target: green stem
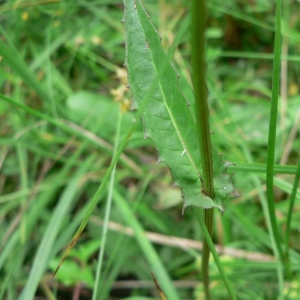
96	289
292	202
289	216
208	219
214	253
272	130
198	11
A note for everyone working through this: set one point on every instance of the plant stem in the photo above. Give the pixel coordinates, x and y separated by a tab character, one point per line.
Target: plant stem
198	11
214	253
272	130
208	219
292	202
107	213
289	216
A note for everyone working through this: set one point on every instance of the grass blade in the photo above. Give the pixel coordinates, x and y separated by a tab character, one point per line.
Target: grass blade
13	59
214	253
45	249
153	259
107	215
291	206
272	130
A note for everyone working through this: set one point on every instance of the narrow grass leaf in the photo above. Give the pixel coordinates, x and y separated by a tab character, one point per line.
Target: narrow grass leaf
214	253
272	130
44	251
15	61
159	290
291	205
107	214
151	255
261	168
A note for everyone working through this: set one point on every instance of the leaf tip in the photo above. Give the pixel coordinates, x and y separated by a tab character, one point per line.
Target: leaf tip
228	164
159	290
146	131
235	193
160	160
183	210
133	105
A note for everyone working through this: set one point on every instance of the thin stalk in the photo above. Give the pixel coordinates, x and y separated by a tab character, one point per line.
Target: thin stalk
108	274
261	168
107	214
272	129
290	211
198	12
214	253
146	247
263	201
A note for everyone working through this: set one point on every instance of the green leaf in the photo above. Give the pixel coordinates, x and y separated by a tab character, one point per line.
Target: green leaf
71	273
166	117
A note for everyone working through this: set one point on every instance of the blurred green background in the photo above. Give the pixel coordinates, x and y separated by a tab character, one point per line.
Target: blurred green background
63	75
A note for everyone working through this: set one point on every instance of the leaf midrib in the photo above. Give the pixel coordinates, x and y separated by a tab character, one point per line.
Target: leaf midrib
178	132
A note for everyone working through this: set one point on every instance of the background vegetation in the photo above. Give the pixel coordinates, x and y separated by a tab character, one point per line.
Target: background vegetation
65	85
